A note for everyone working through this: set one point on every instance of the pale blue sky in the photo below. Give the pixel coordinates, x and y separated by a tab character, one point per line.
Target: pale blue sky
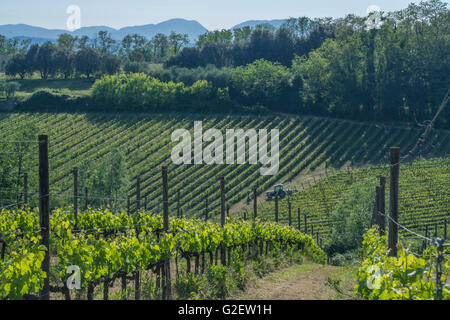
210	13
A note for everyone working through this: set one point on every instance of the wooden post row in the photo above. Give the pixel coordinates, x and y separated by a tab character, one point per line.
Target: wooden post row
255	208
25	189
138	193
276	208
86	199
393	200
222	216
75	196
290	214
44	212
382	206
166	269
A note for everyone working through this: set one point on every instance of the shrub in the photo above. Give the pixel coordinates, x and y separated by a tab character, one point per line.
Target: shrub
135	67
140	92
351	218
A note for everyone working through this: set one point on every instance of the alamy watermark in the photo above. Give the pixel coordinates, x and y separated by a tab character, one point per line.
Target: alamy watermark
74	20
373	20
74	280
235	147
374	281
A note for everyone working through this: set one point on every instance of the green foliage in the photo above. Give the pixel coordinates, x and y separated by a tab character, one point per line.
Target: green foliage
135	67
261	82
106	176
352	217
190	286
8	89
109	243
405	277
139	92
20	271
423	186
16	159
220	283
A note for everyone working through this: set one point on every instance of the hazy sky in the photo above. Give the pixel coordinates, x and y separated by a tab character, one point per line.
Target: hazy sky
210	13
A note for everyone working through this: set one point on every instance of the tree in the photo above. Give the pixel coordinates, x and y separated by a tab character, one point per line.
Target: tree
216	36
105	42
67	42
3	50
17	65
10	88
83	42
63	61
161	44
87	62
261	82
177	41
44	60
110	64
242	34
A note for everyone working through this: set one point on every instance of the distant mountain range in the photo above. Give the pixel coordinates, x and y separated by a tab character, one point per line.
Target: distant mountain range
190	27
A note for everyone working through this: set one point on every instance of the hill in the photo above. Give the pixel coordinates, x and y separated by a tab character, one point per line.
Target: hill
306	143
192	28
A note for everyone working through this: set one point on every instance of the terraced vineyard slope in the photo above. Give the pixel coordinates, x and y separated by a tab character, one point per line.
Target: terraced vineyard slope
306	143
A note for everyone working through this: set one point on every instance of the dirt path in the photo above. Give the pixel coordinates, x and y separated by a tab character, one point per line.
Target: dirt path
302	282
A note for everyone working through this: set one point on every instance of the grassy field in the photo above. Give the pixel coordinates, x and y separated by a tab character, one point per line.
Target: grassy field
306	144
72	87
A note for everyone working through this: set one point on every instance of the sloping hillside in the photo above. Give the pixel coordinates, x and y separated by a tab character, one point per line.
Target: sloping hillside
306	143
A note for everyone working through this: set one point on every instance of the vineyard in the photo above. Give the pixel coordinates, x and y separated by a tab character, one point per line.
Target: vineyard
107	247
306	143
424	197
170	244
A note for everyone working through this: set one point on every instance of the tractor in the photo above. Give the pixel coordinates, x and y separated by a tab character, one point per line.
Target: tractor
278	191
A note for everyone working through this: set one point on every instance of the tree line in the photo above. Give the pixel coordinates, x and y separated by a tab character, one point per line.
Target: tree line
74	56
327	67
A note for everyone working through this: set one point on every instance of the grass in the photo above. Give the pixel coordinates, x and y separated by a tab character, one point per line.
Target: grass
340	283
73	87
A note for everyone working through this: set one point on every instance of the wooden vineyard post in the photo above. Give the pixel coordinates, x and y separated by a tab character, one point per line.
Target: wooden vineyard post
75	196
228	210
382	206
290	214
276	208
44	214
255	207
445	229
298	217
138	193
393	201
306	224
137	279
86	199
166	271
374	220
178	204
25	189
206	209
222	216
